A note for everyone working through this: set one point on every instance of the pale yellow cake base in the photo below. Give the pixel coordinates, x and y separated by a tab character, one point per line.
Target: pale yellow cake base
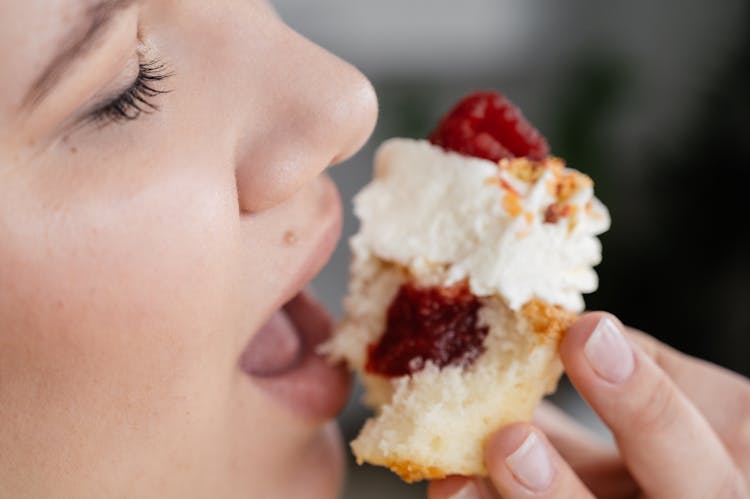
435	422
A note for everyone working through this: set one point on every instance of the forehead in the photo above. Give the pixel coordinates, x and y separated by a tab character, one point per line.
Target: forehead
30	32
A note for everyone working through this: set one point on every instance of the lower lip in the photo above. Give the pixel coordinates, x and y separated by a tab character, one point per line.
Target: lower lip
312	388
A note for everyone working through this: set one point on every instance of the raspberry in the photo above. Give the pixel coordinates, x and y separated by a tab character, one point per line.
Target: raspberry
438	324
489	126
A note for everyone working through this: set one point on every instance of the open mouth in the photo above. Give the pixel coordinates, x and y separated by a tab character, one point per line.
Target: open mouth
282	360
276	348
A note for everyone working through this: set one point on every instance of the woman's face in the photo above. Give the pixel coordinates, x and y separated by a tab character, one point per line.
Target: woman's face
141	253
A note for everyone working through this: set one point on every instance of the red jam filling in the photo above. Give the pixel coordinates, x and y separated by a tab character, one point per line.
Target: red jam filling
487	125
437	324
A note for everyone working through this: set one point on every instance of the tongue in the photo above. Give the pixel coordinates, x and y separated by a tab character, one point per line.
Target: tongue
275	349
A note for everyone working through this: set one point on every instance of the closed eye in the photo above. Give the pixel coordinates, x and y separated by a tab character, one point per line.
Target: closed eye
137	99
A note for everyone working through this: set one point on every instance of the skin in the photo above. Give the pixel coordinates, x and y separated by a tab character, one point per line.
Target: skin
681	428
139	258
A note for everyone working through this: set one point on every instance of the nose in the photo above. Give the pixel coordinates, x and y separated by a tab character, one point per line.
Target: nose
317	110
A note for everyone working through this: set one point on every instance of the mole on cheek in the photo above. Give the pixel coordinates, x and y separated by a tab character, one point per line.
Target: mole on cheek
73	150
290	238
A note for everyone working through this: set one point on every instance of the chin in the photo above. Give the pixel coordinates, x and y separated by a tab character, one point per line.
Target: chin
320	474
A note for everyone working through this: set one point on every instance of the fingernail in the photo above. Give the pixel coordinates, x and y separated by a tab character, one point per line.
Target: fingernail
468	491
608	352
531	465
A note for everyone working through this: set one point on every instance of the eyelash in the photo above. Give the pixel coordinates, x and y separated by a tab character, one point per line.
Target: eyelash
137	99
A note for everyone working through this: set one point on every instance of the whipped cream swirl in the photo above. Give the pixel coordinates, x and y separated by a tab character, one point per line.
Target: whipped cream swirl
519	229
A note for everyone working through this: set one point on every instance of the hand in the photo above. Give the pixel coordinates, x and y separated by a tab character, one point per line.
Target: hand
681	425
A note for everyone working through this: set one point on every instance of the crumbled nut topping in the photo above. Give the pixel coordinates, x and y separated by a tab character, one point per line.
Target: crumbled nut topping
512	204
501	182
572	218
528	170
506	185
565	184
523	169
555	212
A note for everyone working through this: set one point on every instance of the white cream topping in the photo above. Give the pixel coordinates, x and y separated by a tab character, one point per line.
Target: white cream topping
445	218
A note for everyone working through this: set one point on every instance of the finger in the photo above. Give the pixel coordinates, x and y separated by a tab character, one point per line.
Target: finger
453	487
596	463
573	441
523	464
459	487
722	396
669	447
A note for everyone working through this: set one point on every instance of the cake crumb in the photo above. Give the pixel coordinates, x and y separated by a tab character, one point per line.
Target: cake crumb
413	472
549	320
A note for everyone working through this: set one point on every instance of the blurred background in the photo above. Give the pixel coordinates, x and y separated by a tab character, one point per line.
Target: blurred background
652	99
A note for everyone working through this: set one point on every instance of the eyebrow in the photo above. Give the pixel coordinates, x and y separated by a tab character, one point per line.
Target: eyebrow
99	16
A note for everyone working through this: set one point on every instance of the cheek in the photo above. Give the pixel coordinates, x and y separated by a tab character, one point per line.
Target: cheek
119	303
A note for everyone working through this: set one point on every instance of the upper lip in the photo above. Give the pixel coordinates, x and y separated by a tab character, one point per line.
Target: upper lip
321	249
